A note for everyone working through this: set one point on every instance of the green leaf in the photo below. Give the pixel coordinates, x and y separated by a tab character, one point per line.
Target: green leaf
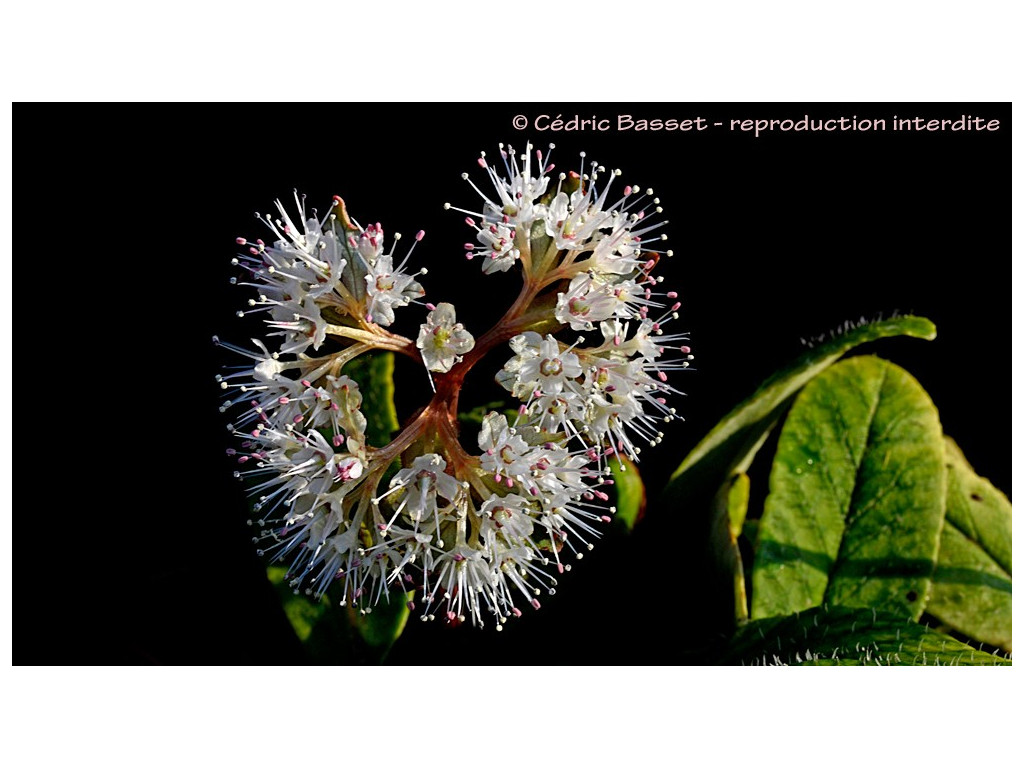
630	495
331	634
970	593
859	636
856	496
382	625
303	614
978	509
374	373
321	628
475	417
728	449
738	500
732	442
971	590
727	527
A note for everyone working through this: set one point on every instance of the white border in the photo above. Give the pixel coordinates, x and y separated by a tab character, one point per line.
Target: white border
741	51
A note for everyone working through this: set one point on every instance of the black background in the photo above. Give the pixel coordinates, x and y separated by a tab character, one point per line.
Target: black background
134	548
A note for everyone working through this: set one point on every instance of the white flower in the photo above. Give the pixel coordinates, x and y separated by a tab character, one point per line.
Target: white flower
507	517
346	467
504	452
556	470
615	407
300	323
618	342
442	341
540	367
463	577
614	253
310	257
557	413
267	370
569	523
632	299
387	288
548	369
370	244
498	251
518	194
423	483
571	221
584	303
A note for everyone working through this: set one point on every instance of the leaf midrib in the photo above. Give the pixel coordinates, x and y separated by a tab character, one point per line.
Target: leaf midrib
849	522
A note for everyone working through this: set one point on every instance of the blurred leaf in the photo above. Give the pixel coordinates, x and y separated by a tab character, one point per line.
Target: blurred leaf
728	449
382	625
727	526
630	495
846	636
374	373
972	591
323	632
302	613
856	496
750	529
475	417
739	499
331	634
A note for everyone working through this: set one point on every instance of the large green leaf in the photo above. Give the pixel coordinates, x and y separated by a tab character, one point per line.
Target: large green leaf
731	443
859	636
971	590
856	496
707	575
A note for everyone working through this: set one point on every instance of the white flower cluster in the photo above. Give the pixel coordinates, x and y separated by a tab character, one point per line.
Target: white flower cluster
326	264
614	392
472	535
